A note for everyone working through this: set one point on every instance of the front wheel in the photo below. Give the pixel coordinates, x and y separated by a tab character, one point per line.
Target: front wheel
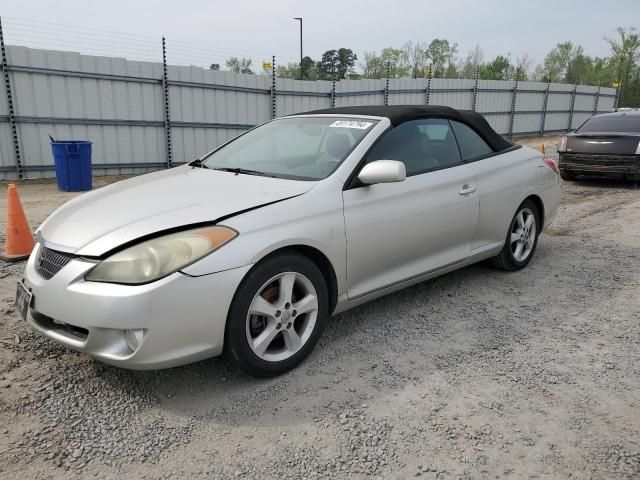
522	238
277	315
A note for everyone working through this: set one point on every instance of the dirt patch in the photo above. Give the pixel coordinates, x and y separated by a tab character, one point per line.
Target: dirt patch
549	142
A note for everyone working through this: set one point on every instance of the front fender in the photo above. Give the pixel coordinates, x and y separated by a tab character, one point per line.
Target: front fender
314	220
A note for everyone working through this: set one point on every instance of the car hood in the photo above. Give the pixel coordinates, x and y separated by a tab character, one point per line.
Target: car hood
99	221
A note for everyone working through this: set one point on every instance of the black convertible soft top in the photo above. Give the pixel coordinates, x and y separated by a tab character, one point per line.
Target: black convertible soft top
398	114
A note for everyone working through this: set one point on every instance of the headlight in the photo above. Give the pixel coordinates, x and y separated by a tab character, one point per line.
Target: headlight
158	257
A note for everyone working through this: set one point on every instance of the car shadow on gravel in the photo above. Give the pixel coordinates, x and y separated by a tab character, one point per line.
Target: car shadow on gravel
357	348
373	350
386	345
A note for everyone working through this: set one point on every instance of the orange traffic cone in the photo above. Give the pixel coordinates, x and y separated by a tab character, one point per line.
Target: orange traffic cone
19	241
542	148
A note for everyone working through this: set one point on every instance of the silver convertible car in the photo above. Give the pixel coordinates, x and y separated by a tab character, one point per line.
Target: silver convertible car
249	249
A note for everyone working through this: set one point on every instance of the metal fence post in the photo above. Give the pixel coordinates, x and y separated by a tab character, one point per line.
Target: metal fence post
596	101
12	116
475	89
573	102
273	87
543	118
386	87
167	113
428	93
333	87
513	105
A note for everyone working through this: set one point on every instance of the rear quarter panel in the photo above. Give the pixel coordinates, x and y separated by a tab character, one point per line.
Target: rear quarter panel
504	181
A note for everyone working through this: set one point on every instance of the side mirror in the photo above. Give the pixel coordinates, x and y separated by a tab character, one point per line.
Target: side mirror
382	171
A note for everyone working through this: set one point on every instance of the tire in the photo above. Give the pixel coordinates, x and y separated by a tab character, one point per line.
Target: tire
275	316
567	175
511	258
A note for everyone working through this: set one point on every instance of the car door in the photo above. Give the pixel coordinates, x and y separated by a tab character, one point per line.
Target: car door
398	231
502	178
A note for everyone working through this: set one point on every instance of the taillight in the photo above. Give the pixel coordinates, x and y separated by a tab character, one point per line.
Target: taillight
551	164
562	146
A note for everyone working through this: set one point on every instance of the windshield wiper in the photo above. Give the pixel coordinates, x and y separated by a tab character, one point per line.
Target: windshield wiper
244	171
198	163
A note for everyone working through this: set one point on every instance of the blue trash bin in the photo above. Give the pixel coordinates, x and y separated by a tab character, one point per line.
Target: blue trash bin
73	164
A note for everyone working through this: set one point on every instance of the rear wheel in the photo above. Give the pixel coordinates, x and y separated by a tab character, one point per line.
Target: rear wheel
522	238
277	315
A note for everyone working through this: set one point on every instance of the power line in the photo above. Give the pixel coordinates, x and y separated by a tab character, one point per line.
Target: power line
21	28
37	26
74	44
76	27
205	52
224	49
54	39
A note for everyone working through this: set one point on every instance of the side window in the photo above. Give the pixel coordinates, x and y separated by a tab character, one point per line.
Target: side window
471	144
422	145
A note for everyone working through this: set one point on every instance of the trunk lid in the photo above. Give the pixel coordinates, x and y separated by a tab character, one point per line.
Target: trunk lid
603	143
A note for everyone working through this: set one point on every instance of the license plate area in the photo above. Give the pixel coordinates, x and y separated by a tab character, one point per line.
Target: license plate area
23	300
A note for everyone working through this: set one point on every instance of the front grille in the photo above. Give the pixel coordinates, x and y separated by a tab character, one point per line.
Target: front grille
50	262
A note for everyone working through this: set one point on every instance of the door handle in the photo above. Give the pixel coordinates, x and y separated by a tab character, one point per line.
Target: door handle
467	189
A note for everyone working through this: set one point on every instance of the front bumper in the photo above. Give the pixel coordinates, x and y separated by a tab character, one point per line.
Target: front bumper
179	319
622	166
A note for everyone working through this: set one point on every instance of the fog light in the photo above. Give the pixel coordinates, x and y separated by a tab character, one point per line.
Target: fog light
133	338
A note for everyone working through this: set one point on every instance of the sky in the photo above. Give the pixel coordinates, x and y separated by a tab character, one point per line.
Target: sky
208	31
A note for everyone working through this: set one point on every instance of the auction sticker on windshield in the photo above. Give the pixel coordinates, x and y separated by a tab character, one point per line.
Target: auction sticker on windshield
351	124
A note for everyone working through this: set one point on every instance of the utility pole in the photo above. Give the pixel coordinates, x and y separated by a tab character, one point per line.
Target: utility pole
301	67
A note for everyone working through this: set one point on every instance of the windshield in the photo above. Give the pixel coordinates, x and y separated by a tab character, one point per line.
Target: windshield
304	148
620	124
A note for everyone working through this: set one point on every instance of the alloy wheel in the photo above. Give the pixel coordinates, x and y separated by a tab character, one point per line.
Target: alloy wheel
523	234
282	316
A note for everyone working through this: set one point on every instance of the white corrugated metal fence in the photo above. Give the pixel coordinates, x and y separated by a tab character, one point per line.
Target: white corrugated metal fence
118	104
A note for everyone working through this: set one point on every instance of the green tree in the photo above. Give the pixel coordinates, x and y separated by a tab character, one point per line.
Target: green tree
474	57
522	66
564	62
395	60
624	58
373	66
239	65
340	61
290	70
415	54
452	71
442	56
346	62
499	68
309	69
391	60
598	71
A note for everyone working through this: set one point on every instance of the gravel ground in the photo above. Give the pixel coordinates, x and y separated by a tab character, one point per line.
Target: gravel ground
477	374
